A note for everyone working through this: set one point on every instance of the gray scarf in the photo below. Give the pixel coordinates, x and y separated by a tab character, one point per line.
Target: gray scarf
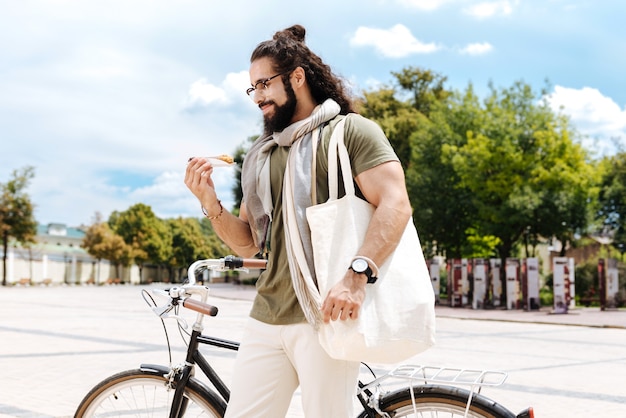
255	179
302	137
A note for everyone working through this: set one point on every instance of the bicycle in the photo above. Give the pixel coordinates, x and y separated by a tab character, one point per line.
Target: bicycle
158	390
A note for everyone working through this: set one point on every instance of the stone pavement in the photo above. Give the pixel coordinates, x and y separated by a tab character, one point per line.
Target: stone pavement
57	342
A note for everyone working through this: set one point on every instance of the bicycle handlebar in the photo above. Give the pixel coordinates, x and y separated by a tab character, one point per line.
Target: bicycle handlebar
222	264
185	291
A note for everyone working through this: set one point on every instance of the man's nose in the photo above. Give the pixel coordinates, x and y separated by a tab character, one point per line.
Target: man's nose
258	96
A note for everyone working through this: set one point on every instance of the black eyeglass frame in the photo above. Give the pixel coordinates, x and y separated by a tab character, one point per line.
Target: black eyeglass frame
250	91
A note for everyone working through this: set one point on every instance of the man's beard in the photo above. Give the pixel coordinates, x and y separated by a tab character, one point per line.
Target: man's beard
282	114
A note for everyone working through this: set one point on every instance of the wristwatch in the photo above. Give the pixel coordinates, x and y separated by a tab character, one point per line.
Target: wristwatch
361	266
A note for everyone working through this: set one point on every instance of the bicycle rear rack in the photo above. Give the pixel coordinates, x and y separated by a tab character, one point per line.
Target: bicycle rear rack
475	379
448	375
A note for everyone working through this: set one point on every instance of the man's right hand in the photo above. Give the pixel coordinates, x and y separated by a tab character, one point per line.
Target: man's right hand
198	180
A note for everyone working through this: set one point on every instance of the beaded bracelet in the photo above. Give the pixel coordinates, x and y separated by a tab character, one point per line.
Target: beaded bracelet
216	216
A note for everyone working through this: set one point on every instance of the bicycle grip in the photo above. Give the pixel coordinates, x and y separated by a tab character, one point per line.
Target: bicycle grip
201	307
232	262
254	263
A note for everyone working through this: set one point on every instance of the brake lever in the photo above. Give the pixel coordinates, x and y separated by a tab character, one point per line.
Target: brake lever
163	313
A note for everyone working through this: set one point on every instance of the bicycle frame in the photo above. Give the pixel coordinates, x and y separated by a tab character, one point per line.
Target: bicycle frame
194	357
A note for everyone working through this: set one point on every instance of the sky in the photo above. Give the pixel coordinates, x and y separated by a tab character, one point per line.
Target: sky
107	100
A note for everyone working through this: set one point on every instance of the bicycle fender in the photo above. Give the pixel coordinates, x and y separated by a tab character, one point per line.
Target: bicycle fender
155	368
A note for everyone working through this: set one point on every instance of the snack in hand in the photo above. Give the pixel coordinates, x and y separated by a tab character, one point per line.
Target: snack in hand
226	158
219	160
222	160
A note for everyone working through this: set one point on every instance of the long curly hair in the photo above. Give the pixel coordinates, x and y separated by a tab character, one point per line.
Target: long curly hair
288	51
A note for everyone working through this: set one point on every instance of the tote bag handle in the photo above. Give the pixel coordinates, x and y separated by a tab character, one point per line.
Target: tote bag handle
337	146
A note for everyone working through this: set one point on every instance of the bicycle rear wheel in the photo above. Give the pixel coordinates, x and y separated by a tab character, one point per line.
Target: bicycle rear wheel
144	393
439	401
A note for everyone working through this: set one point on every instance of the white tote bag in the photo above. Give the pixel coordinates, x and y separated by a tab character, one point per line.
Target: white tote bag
397	318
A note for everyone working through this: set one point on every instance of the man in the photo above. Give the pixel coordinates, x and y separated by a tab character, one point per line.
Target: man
301	101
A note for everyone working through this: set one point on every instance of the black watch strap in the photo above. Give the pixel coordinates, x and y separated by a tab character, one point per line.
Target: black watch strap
368	273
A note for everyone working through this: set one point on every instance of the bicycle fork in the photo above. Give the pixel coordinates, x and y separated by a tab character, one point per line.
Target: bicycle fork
179	402
181	376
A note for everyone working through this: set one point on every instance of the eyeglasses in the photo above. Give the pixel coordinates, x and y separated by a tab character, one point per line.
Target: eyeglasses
263	84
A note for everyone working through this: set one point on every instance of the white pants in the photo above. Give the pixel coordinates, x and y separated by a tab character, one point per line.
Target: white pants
274	359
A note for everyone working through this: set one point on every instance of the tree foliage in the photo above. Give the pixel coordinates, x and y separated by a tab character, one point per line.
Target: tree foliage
149	236
523	170
443	209
611	211
17	219
104	244
484	174
193	240
426	88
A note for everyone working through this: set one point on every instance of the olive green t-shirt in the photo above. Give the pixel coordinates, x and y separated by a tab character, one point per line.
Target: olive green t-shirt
276	302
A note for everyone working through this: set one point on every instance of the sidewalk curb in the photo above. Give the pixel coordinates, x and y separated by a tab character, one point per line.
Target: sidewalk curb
523	321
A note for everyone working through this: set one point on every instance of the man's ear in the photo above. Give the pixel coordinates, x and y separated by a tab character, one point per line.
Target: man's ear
299	77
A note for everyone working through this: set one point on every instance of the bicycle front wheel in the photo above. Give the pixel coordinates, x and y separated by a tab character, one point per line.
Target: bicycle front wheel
438	401
143	393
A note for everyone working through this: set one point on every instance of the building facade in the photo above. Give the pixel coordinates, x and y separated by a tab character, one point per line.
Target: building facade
57	258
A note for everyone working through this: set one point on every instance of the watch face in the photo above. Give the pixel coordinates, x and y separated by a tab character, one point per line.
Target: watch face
359	265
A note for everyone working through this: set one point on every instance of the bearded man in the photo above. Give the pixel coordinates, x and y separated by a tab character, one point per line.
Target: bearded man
301	101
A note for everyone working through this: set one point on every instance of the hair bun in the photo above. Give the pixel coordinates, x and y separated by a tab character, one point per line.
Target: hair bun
295	32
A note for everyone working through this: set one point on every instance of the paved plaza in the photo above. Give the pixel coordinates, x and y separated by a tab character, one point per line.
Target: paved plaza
57	342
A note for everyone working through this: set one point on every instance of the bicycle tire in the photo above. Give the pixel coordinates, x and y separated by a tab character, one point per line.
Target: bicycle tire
140	393
439	401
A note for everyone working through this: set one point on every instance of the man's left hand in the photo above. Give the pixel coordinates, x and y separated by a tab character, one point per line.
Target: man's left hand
345	298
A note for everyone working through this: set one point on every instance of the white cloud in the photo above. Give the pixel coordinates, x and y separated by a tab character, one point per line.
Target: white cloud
593	114
202	93
424	4
396	42
477	48
237	82
491	8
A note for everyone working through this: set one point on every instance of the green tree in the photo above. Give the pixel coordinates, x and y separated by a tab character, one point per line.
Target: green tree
104	244
611	212
426	88
444	211
17	220
525	172
149	236
483	174
191	243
